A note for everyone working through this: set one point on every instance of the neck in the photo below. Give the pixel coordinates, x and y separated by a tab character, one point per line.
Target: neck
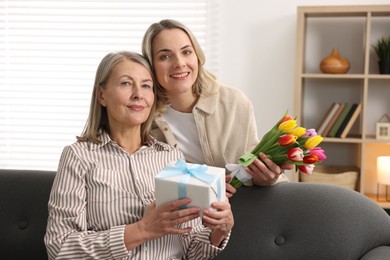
129	140
183	103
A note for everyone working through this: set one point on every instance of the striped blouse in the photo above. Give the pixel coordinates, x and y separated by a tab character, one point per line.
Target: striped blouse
98	189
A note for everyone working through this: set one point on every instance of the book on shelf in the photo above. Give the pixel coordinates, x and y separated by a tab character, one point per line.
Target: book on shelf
345	121
333	119
327	117
351	121
340	119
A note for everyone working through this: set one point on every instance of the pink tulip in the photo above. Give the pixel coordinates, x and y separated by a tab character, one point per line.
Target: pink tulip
319	152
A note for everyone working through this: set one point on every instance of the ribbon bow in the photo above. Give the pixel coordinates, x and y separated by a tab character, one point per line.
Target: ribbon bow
196	171
246	159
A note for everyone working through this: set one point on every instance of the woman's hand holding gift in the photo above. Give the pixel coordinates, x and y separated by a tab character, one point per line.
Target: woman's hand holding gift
230	190
220	220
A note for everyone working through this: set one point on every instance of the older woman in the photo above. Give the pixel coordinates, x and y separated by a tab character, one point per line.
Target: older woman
102	204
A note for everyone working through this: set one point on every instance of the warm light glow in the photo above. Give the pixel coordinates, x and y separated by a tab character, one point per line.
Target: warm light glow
383	169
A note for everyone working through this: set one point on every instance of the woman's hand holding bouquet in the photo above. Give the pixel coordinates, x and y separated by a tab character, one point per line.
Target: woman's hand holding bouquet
284	143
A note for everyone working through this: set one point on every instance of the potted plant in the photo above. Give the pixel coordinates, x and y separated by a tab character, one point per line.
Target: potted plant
382	50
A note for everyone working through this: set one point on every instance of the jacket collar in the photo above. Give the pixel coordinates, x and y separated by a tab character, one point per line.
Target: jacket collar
207	103
152	144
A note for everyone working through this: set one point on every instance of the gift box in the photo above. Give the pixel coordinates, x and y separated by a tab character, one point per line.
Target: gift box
203	184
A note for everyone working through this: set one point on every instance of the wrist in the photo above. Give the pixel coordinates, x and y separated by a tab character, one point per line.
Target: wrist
218	236
134	235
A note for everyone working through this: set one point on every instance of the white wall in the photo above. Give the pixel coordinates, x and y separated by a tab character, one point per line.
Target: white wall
257	51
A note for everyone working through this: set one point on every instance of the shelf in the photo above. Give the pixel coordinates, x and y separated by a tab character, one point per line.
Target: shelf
344	76
352	30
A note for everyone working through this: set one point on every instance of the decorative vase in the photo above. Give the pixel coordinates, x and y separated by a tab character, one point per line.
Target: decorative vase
384	67
334	63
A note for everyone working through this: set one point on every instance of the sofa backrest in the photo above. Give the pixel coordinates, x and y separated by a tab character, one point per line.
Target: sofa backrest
24	195
299	221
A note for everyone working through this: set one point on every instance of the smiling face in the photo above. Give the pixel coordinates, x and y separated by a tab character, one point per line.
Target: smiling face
175	61
128	95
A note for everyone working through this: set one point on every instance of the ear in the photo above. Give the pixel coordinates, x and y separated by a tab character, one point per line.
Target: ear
100	97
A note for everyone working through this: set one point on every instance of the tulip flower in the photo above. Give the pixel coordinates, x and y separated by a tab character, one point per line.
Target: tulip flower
287	143
287	139
307	169
286	118
319	152
311	132
298	131
313	141
288	126
295	154
310	159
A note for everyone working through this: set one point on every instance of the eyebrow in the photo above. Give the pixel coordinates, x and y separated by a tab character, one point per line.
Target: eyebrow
182	48
147	80
131	78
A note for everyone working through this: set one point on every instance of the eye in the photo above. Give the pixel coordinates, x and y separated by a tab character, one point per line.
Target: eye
187	52
126	83
164	57
145	85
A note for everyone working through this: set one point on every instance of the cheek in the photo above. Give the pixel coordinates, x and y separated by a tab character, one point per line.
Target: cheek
160	71
149	99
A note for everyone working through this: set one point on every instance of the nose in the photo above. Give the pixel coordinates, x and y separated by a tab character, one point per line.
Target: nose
137	93
179	61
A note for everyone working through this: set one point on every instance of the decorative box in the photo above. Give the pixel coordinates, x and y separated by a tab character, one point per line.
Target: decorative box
383	128
203	184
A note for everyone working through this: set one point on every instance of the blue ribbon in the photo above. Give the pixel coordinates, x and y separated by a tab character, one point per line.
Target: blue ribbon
196	171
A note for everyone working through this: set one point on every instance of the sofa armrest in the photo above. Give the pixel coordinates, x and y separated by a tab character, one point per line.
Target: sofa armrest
305	221
379	253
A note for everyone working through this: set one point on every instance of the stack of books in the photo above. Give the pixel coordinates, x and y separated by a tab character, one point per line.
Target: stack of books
339	119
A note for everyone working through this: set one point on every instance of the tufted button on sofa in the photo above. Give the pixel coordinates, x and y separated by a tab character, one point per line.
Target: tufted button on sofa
23	213
306	221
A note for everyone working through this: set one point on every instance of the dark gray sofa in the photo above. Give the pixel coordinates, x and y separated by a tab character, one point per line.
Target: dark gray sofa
299	221
288	221
23	213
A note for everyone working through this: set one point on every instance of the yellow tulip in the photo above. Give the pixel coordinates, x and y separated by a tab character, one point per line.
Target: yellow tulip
298	131
288	126
313	141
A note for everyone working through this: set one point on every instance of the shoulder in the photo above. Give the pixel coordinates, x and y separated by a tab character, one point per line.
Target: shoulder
76	149
234	97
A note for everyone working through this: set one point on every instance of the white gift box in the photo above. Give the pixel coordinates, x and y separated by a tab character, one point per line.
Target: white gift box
203	184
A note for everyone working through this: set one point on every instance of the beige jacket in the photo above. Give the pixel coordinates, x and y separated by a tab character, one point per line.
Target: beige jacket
226	126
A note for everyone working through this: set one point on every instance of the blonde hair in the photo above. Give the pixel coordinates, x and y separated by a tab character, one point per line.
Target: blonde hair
97	119
205	81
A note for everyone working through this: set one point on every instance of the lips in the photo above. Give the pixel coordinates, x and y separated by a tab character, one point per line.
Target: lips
180	75
136	107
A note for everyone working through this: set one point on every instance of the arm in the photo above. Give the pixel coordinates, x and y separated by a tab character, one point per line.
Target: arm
209	239
263	170
67	233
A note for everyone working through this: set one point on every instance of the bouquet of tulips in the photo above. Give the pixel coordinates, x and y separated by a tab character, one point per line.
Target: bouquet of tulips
286	143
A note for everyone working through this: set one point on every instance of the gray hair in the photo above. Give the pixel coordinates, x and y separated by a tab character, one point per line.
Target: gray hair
97	118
